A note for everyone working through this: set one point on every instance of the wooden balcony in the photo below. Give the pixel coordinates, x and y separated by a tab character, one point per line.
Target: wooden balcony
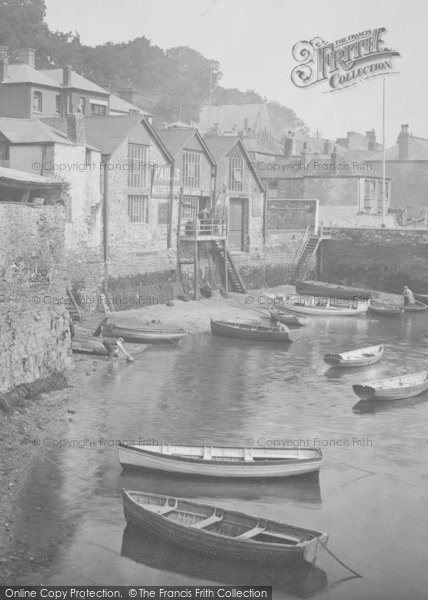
202	230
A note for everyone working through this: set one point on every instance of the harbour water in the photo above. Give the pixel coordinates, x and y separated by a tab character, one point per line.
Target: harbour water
371	495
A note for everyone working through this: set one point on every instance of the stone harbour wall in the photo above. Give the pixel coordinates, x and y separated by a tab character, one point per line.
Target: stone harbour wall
382	259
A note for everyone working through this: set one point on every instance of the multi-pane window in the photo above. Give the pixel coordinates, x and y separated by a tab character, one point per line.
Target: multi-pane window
37	102
138	166
236	172
98	109
189	207
138	209
369	188
191	169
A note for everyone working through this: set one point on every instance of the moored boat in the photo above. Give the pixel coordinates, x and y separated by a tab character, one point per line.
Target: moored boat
332	290
276	314
355	358
385	310
253	332
393	388
86	344
222	461
148	335
220	532
415	307
324	307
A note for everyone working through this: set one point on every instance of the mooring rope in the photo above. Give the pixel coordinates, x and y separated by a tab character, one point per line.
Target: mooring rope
340	561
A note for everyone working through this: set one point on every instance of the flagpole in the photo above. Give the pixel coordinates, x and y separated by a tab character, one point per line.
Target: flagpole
383	154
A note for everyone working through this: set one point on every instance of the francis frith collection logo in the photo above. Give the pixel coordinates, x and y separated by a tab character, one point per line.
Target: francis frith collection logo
343	63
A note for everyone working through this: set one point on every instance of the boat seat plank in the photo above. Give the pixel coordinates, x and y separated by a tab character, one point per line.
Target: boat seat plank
163	510
251	533
209	521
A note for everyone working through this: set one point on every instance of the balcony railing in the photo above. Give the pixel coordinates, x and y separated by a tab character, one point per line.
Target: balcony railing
202	228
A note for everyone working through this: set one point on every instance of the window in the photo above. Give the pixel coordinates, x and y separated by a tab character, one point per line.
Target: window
189	207
98	109
236	168
58	105
137	165
369	188
191	169
138	209
82	105
37	102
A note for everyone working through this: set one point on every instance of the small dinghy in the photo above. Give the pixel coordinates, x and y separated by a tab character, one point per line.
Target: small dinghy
355	358
87	344
253	332
385	310
222	461
220	532
394	388
415	307
148	335
276	314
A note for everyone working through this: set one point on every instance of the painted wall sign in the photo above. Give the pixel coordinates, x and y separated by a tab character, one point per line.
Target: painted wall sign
342	63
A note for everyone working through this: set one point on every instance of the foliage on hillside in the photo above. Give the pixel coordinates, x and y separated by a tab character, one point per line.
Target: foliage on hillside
175	82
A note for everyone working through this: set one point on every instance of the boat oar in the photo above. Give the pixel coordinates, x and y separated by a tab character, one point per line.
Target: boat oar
98	329
119	344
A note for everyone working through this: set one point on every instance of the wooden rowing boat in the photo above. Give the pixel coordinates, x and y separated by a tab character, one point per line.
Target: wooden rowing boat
222	461
385	310
332	290
355	358
394	388
250	331
422	298
324	307
276	314
83	344
148	335
219	532
299	580
416	307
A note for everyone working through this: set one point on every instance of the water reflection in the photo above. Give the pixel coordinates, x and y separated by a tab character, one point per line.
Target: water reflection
304	489
301	580
378	406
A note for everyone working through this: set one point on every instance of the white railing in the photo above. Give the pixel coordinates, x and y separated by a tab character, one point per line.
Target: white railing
202	227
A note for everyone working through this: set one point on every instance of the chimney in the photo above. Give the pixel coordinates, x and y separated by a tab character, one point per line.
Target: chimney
371	137
403	143
3	63
327	147
289	145
304	153
76	130
27	56
334	157
66	75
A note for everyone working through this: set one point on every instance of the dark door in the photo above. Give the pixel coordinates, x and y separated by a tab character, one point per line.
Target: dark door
236	224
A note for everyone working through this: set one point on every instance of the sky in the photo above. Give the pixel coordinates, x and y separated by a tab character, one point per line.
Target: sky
253	39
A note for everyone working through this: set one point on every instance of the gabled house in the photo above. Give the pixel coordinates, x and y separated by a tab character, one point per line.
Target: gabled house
240	195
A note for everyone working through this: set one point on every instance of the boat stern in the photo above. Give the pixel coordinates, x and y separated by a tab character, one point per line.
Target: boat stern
332	359
365	392
313	547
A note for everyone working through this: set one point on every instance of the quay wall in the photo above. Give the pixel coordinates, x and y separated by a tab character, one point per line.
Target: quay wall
382	259
34	331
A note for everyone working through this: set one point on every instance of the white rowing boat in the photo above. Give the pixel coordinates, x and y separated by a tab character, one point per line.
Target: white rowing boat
355	358
394	388
324	307
219	532
222	461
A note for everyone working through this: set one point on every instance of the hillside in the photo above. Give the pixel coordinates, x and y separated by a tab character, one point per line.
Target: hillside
175	82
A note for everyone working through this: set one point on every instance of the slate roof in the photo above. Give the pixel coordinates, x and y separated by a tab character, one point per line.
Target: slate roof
22	73
176	139
119	104
24	177
27	131
418	150
77	81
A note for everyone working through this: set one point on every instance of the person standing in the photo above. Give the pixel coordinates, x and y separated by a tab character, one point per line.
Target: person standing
408	296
